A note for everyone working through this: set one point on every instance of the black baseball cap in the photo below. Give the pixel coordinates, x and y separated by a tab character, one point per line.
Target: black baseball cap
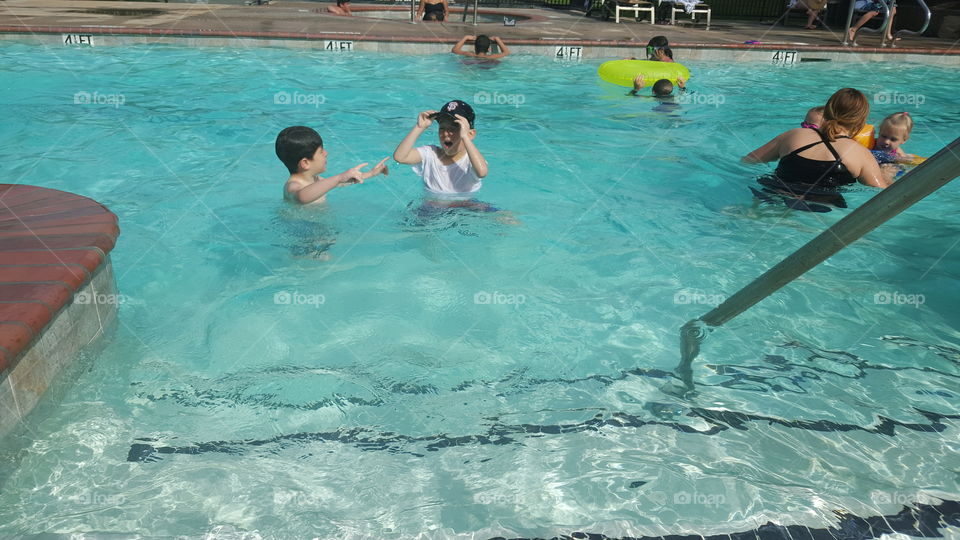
456	107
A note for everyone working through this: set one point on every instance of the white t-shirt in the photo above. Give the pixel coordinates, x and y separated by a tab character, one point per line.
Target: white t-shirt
439	178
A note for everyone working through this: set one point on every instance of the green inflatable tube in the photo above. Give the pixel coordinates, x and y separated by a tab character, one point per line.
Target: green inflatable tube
622	72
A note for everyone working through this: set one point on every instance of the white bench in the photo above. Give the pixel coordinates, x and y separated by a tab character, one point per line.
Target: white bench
636	7
699	8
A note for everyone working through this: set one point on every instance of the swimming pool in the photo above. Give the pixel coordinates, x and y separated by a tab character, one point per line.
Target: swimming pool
363	371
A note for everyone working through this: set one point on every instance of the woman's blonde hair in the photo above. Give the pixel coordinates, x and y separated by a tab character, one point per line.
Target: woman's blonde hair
900	120
845	113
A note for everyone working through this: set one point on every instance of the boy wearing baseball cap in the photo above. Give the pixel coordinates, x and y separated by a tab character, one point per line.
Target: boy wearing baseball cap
456	165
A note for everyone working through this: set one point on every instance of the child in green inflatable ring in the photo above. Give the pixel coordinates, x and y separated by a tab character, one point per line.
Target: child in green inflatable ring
658	50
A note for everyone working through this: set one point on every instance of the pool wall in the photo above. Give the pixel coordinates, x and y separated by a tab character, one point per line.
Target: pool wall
57	289
549	48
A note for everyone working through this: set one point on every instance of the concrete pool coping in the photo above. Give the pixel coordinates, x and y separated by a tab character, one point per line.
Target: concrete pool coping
57	290
308	25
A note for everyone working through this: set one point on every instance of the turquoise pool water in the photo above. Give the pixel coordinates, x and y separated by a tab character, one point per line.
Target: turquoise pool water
362	371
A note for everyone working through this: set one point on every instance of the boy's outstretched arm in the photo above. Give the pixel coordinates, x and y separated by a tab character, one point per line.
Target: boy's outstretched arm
311	192
405	152
314	191
356	176
476	158
379	168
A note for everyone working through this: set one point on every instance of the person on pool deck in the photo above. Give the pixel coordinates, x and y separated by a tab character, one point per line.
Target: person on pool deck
813	8
813	119
433	11
814	163
342	8
456	166
661	89
872	8
481	47
301	149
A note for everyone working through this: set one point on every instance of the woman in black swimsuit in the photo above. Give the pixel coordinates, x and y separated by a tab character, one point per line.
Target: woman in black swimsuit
433	11
813	163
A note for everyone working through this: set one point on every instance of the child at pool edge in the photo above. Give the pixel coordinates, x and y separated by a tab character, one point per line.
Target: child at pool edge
661	89
342	8
813	119
301	150
481	47
456	166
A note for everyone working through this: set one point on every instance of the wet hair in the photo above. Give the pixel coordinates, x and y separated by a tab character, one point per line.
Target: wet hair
658	41
481	44
900	121
342	2
295	143
668	52
663	87
845	113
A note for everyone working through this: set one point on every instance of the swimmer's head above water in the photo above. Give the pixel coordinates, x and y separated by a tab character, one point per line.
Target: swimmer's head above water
845	114
658	48
300	148
662	88
448	112
813	119
450	132
894	131
481	45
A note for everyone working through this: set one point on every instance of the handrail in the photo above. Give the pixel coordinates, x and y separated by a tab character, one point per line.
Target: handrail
926	22
926	178
466	8
883	27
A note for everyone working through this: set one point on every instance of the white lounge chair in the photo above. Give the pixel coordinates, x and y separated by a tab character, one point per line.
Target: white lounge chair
699	8
636	6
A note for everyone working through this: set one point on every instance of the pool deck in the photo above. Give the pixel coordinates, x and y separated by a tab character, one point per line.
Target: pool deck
299	24
57	291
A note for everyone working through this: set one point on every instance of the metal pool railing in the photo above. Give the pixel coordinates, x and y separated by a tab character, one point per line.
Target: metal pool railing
886	21
883	27
928	177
